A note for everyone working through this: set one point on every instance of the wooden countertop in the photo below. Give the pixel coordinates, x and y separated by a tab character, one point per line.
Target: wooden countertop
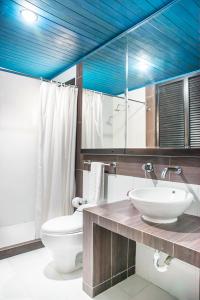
180	240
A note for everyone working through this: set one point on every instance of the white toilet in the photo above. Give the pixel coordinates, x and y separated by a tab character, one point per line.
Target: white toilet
62	236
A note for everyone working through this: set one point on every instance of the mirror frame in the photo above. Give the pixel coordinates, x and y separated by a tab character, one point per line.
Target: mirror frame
195	152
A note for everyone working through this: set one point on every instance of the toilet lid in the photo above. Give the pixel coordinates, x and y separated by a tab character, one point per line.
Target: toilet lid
65	224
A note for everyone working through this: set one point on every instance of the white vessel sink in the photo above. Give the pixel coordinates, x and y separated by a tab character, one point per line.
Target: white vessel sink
160	205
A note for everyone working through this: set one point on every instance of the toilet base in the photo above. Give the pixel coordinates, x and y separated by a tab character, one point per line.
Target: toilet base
64	266
65	250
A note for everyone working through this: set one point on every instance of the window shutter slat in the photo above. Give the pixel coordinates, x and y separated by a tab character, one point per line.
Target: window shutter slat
171	115
194	108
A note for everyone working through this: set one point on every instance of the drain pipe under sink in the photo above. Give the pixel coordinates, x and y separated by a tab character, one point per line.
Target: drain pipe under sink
161	267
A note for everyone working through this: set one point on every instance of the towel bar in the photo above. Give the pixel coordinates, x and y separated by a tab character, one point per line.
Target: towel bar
112	164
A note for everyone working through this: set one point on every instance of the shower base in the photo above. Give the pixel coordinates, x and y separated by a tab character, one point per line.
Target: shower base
15	234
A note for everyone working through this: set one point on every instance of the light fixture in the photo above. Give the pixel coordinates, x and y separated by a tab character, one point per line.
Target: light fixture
29	16
143	65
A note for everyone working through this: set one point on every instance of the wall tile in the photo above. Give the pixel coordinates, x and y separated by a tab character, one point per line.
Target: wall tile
158	243
102	287
117	187
194	209
119	253
79	100
118	278
79	156
150	116
130	233
131	253
190	170
79	70
108	257
85	184
6	252
184	254
108	224
132	166
88	289
143	182
101	255
79	183
88	228
131	271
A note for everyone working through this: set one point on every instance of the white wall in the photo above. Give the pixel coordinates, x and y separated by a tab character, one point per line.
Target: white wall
182	280
117	186
19	100
66	75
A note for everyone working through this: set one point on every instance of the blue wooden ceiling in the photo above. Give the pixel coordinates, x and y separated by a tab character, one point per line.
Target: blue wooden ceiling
169	43
66	31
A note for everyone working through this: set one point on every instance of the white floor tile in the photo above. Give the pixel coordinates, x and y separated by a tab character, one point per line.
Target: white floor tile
33	260
133	285
153	293
10	285
114	293
13	289
31	276
32	268
6	271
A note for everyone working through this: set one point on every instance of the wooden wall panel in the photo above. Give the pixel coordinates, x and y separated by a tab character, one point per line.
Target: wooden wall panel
150	116
108	257
132	166
79	156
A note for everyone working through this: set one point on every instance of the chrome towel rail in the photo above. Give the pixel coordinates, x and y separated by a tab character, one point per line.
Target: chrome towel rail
112	164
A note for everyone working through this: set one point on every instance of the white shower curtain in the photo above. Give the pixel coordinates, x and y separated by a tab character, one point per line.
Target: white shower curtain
57	141
92	120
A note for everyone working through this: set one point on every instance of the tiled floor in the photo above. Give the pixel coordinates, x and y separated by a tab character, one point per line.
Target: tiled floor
30	276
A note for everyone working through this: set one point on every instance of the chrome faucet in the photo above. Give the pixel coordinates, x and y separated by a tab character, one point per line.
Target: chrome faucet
148	167
177	170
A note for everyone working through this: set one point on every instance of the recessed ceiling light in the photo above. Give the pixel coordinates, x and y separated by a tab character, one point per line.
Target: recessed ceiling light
143	65
29	16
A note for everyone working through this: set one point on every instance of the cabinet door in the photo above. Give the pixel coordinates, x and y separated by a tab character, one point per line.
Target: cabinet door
194	111
171	115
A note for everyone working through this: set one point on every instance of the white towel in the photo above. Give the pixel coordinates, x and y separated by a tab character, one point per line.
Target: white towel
96	183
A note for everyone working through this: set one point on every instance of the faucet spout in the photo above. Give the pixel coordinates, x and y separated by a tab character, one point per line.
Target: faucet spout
177	170
164	173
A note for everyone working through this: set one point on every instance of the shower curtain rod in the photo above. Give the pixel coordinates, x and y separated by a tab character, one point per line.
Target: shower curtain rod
37	78
138	101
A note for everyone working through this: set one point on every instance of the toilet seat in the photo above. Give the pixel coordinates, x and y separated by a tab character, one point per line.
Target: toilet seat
64	225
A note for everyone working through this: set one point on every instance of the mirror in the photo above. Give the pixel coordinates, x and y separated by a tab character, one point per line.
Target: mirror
149	85
136	119
104	102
